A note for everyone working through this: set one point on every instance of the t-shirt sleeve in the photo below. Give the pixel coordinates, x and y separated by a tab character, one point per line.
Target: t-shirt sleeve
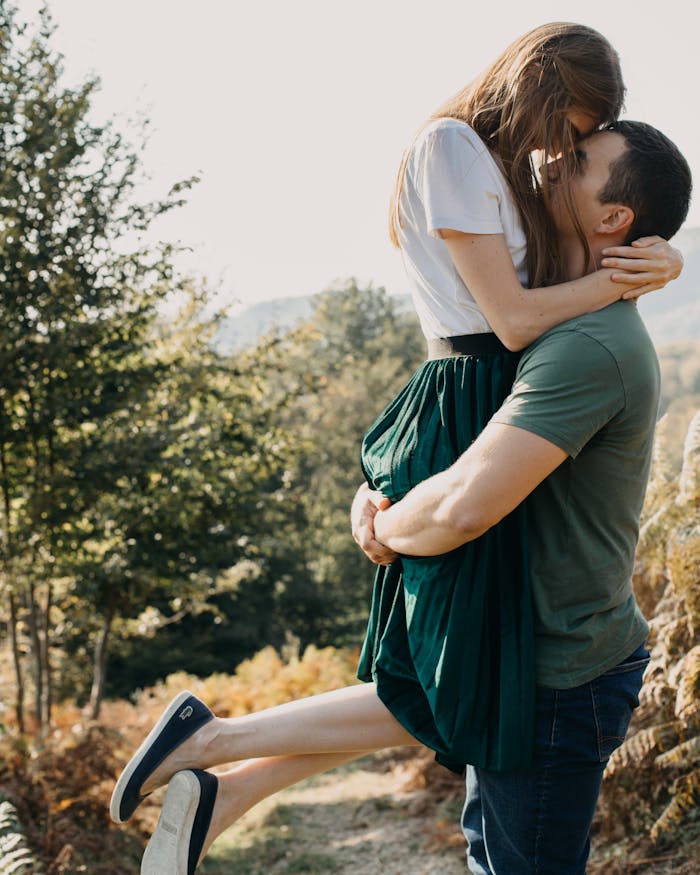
567	388
457	184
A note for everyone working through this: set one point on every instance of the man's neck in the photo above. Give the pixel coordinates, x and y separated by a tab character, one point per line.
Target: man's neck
574	257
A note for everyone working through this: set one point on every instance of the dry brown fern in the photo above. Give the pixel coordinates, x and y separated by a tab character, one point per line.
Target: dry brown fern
641	746
641	802
683	559
657	701
688	696
662	477
685	798
689	481
682	755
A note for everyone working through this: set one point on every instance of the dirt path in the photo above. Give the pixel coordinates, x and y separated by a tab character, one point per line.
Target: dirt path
356	820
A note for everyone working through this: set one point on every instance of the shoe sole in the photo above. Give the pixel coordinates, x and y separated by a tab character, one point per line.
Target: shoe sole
168	850
135	761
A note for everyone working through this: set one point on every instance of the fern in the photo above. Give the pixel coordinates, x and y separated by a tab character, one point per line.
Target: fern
682	755
638	747
15	856
686	797
688	697
639	795
657	701
689	483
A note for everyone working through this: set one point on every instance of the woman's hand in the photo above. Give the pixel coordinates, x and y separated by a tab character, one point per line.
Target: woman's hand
648	264
364	509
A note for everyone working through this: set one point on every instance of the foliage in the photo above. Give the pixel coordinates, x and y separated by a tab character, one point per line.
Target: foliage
652	783
354	354
61	795
267	679
139	471
61	792
201	472
15	855
680	393
76	306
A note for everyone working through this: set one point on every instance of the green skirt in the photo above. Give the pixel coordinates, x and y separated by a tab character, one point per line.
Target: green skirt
450	640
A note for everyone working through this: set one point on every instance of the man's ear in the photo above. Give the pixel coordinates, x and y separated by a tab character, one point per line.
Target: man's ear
617	219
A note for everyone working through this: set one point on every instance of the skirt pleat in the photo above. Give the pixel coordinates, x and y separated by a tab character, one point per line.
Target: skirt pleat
450	641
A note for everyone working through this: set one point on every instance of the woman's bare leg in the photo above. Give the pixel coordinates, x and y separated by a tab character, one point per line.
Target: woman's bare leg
251	782
352	719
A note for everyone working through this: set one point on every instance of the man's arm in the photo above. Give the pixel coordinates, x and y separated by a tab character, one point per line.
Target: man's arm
498	471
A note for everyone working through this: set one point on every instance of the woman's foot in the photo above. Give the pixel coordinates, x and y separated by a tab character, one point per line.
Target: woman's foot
198	807
179	840
169	746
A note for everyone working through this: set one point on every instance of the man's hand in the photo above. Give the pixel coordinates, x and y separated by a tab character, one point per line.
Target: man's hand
364	509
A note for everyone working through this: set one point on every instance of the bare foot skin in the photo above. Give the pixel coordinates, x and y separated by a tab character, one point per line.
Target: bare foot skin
254	780
233	799
193	753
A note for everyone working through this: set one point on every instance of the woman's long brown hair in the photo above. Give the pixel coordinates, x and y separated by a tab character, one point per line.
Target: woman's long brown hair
520	104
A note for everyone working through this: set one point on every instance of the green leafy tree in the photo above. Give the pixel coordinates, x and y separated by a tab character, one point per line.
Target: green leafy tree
76	306
356	351
185	476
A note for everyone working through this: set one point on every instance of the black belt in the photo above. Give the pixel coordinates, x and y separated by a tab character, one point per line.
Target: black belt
464	344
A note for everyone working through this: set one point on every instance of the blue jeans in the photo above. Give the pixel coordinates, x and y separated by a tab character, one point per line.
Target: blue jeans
536	821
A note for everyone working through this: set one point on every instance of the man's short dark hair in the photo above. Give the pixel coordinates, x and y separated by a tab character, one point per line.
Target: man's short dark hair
652	178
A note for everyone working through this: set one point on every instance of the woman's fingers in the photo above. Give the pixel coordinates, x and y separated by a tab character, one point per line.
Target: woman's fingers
648	241
646	255
642	243
637	279
626	252
622	263
364	508
373	549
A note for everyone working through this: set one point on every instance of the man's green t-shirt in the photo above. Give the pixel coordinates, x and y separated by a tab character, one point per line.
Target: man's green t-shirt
590	386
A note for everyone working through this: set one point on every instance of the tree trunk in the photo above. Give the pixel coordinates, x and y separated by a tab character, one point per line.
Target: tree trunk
17	659
100	668
47	677
36	652
9	564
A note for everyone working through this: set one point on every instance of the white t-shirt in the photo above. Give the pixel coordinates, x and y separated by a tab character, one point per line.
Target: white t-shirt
452	181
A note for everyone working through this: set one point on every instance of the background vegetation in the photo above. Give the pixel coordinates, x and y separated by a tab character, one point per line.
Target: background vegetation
168	511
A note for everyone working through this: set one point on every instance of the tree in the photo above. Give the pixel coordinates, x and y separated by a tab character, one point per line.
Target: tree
356	351
76	307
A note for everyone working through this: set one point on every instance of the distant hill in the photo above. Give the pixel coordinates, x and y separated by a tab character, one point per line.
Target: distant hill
245	329
670	315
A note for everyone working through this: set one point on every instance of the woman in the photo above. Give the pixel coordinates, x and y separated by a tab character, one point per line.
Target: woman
470	216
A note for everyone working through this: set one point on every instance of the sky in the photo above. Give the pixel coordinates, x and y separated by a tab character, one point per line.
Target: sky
296	114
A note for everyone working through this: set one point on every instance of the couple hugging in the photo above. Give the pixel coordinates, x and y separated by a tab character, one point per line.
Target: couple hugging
503	485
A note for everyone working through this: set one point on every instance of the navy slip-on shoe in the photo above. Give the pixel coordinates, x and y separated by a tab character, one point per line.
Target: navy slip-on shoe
182	827
181	719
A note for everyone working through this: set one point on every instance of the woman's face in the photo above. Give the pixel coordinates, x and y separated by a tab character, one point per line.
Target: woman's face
582	122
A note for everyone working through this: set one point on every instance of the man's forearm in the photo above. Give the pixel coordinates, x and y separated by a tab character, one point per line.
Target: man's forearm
502	467
428	520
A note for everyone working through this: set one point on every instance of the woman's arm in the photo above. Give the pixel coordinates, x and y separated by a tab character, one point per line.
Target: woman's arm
518	315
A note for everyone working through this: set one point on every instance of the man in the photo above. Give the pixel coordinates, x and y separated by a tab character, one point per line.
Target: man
575	435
